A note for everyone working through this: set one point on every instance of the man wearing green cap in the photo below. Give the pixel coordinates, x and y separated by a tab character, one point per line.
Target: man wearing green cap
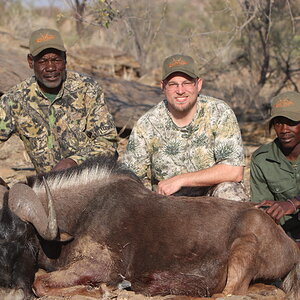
189	143
275	167
61	116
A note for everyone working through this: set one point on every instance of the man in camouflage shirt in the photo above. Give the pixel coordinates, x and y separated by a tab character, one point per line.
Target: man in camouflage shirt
188	143
60	116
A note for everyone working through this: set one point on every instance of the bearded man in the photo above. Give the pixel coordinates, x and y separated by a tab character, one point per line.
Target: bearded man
188	144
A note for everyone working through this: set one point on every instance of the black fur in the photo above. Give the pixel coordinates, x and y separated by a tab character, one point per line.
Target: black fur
18	251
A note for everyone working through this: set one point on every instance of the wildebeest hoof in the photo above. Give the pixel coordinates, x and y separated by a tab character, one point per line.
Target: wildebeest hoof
124	285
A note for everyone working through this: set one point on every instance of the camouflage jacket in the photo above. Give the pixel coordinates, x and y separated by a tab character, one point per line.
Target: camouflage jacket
76	125
158	149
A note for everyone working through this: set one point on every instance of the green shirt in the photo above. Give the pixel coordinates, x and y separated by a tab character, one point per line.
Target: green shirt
273	177
159	149
75	125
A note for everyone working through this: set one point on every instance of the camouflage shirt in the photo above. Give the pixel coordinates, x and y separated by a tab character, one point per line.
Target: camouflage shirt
158	149
76	125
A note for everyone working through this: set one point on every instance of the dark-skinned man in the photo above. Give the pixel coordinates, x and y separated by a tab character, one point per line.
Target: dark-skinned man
61	116
275	167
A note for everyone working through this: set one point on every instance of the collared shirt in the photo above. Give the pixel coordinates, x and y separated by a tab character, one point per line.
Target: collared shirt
274	177
76	125
158	149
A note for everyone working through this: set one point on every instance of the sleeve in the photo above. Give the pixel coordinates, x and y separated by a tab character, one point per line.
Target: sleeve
137	155
100	128
7	126
228	140
258	185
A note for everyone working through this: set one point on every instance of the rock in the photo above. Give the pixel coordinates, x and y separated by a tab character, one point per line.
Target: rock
14	68
98	61
128	100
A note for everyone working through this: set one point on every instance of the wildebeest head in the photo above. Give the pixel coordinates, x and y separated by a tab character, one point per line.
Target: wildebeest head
21	217
18	251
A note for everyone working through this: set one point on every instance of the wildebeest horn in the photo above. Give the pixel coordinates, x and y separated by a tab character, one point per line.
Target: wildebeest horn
27	206
52	222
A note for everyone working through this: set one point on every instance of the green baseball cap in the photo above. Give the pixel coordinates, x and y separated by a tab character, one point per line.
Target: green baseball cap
179	63
286	105
45	38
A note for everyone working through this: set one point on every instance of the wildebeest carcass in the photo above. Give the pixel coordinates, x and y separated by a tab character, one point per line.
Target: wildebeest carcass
161	245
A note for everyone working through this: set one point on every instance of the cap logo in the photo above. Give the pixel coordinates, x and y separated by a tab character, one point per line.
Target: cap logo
283	103
45	37
177	62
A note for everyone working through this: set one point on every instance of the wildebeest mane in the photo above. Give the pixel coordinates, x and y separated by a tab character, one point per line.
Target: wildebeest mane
95	168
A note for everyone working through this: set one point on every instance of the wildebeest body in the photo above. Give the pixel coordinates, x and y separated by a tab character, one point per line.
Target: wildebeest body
162	245
143	242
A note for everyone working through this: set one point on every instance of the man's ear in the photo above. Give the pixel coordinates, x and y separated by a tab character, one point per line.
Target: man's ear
199	84
30	61
162	85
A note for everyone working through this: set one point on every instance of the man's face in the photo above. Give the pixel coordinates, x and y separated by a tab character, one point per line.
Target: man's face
287	131
49	69
181	92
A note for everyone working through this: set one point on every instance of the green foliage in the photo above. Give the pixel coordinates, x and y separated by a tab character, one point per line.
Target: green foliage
103	12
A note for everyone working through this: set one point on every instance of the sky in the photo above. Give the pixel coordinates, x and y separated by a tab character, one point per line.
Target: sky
58	3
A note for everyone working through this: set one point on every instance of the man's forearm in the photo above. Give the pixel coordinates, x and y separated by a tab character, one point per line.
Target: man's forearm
214	175
207	177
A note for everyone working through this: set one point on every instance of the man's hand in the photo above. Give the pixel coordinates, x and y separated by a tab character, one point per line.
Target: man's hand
170	186
64	164
277	209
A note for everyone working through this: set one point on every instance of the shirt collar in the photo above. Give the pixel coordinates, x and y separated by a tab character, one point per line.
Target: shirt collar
41	93
275	154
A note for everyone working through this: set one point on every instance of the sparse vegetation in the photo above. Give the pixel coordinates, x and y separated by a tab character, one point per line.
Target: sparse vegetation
247	50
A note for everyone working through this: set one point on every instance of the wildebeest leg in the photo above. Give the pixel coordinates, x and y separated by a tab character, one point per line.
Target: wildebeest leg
240	264
90	263
81	272
78	290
